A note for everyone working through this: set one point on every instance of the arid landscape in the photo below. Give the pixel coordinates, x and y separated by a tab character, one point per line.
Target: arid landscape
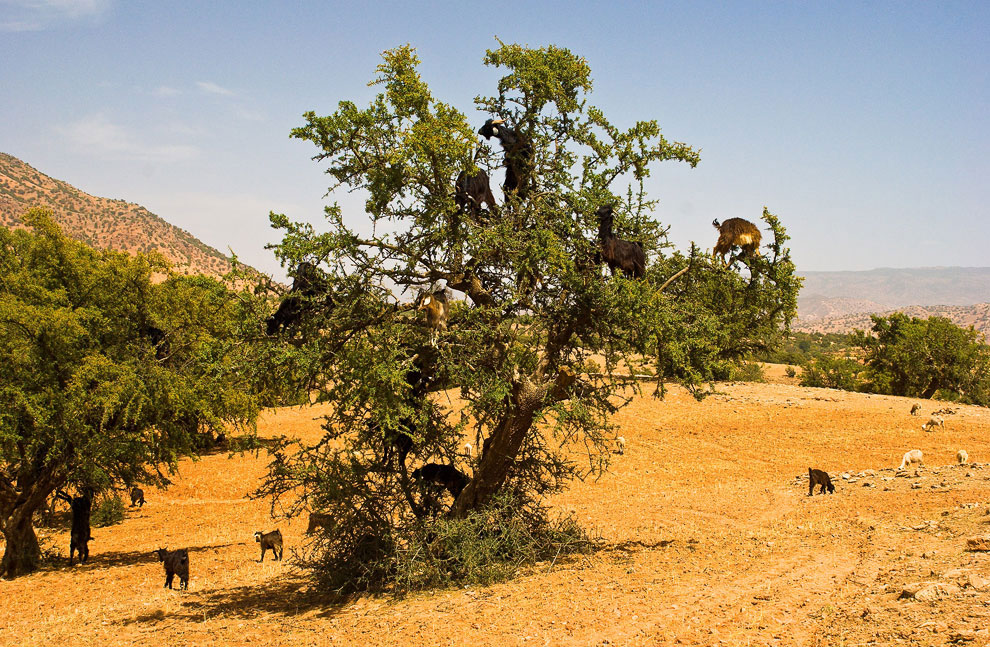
707	536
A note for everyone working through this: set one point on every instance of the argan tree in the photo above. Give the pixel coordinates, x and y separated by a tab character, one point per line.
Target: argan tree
106	378
541	346
917	357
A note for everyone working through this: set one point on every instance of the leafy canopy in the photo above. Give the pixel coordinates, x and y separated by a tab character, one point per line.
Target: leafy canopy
540	347
89	395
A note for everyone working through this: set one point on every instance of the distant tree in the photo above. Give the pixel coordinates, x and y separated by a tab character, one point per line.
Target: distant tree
106	378
539	344
920	358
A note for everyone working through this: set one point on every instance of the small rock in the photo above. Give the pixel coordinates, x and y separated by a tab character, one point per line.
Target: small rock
868	484
978	582
928	591
916	486
969	505
969	474
846	476
981	543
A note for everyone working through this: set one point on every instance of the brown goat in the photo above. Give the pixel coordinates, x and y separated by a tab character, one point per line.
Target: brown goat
623	255
471	191
736	232
437	308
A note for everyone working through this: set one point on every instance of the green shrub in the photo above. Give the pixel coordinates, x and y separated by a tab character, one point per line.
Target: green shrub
748	372
790	371
110	511
832	372
487	546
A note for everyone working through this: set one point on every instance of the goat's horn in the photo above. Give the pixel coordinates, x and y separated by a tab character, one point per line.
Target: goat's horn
498	121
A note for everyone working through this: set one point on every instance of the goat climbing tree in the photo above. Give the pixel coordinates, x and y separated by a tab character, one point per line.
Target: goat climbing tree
541	345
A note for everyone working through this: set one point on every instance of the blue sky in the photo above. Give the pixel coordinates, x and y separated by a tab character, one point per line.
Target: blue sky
864	126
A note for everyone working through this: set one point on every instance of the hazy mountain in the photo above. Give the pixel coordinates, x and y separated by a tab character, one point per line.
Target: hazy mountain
101	222
839	293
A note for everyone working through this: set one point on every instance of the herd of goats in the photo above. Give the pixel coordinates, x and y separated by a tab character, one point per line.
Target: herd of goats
471	192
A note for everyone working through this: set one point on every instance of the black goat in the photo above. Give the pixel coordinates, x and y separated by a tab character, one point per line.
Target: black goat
158	339
80	535
307	284
137	497
518	155
446	476
473	190
818	477
619	254
176	562
270	540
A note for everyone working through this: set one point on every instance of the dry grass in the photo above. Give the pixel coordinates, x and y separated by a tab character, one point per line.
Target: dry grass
709	538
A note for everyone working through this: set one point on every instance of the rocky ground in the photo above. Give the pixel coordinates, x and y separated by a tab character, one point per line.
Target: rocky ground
708	537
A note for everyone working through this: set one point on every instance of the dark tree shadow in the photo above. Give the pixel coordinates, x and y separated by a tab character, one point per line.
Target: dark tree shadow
106	560
285	596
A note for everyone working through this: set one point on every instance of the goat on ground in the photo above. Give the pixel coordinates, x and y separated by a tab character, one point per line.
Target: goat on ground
270	540
80	535
913	457
518	152
932	423
962	456
473	190
623	255
620	445
446	476
739	233
915	408
137	497
307	284
819	477
176	562
318	520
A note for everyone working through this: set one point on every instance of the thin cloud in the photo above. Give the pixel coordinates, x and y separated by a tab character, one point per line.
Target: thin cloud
97	135
166	91
37	15
212	88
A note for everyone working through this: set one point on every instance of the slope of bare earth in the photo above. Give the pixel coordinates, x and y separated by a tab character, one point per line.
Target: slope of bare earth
101	222
709	537
977	316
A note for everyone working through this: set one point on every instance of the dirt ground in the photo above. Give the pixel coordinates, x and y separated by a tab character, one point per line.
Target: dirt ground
709	538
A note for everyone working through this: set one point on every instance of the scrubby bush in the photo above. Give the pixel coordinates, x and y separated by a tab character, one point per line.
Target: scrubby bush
108	512
832	372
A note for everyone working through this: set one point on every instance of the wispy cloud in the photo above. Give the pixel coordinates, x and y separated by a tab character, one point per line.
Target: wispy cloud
36	15
212	88
166	91
99	136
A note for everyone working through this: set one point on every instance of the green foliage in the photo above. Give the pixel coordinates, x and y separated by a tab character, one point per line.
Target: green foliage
917	357
790	371
108	512
86	397
531	310
799	347
833	372
490	544
747	372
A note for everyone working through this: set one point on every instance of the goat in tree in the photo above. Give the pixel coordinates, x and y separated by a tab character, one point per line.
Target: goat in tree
471	190
736	232
619	254
518	155
306	284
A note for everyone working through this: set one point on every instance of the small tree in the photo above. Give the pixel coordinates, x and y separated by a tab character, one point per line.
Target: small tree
90	395
917	357
541	348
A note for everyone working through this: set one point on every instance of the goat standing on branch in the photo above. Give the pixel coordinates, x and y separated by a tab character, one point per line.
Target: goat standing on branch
736	232
437	310
306	284
518	156
619	254
471	190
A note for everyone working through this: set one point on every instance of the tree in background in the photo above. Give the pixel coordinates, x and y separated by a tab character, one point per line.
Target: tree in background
540	348
917	357
106	378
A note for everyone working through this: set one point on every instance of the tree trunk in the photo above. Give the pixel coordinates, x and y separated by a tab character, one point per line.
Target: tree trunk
930	391
22	553
500	450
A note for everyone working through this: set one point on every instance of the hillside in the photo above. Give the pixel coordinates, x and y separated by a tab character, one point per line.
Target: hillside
708	537
895	288
101	222
977	316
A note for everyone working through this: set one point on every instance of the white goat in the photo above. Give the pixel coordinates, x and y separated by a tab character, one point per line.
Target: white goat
910	458
962	456
620	445
933	422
